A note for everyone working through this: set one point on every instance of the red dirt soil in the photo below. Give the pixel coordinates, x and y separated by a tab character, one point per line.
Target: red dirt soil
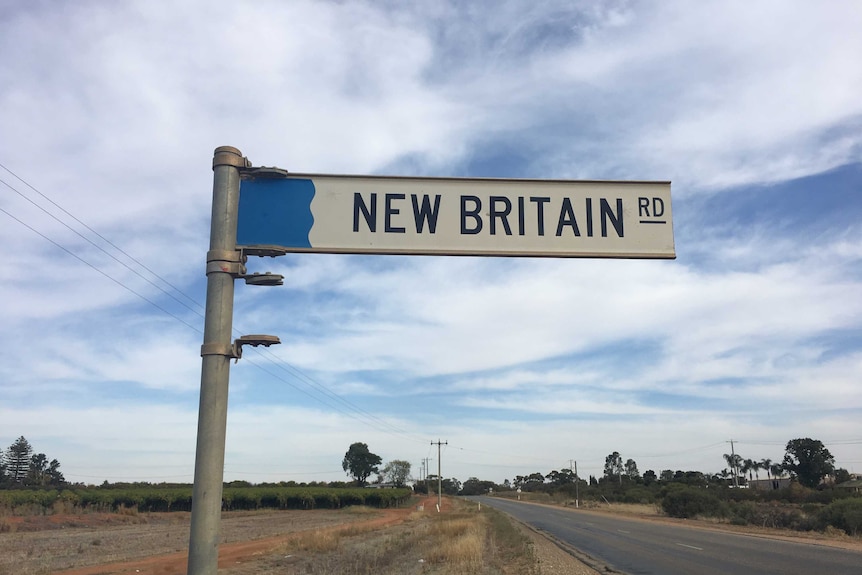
231	554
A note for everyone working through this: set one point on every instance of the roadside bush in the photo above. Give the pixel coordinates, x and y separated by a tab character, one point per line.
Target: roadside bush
639	495
844	514
688	502
769	515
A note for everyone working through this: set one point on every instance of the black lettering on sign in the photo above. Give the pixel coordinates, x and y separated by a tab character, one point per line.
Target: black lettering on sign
370	214
643	207
654	204
521	223
392	211
607	214
567	218
540	211
425	213
503	214
473	213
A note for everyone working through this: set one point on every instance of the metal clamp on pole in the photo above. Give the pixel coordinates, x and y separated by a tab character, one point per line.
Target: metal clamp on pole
263	173
217	349
230	156
226	261
234	351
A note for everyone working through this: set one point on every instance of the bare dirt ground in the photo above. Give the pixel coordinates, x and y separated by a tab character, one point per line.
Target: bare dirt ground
253	543
354	540
156	543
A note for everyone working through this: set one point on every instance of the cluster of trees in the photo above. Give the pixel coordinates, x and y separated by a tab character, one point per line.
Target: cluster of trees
806	460
359	463
20	467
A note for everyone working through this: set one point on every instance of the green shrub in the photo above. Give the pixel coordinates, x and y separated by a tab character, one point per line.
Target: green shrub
687	502
639	495
844	514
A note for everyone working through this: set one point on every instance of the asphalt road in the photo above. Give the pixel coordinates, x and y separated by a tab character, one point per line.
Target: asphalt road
640	547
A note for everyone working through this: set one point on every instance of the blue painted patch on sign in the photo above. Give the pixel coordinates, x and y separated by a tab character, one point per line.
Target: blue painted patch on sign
275	212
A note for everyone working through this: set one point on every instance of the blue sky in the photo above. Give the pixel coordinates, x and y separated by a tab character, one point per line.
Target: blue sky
109	114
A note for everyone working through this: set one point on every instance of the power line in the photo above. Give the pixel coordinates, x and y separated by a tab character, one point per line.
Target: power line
101	249
327	397
103	273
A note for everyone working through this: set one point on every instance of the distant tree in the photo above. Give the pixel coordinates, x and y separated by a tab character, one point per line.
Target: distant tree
649	477
38	473
614	466
734	461
534	479
696	478
766	465
777	469
756	466
397	472
476	486
747	467
841	475
561	477
42	473
360	463
632	469
18	460
666	475
451	486
809	460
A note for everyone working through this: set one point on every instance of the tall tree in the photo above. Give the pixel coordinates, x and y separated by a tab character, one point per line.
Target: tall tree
562	477
632	469
55	476
809	460
747	466
766	465
614	466
359	462
397	472
734	461
777	469
18	460
38	472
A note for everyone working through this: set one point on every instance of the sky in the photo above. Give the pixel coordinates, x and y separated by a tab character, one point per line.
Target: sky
109	116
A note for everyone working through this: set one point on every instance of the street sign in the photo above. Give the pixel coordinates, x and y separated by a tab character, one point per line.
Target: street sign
457	216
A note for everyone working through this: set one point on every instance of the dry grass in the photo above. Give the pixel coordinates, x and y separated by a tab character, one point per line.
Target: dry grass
459	542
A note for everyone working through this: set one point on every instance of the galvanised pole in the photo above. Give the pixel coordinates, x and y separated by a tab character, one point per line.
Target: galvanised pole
439	475
222	265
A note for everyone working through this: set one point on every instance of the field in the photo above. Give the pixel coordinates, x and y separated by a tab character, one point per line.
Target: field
412	539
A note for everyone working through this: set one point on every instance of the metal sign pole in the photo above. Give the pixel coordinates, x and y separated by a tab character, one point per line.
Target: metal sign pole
217	351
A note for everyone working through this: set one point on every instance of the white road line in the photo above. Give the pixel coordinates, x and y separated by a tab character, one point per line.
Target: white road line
621	531
690	546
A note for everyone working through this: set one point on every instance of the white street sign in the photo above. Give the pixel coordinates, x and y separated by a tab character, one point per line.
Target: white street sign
452	216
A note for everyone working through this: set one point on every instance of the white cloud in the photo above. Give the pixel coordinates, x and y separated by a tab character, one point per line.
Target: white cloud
113	112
